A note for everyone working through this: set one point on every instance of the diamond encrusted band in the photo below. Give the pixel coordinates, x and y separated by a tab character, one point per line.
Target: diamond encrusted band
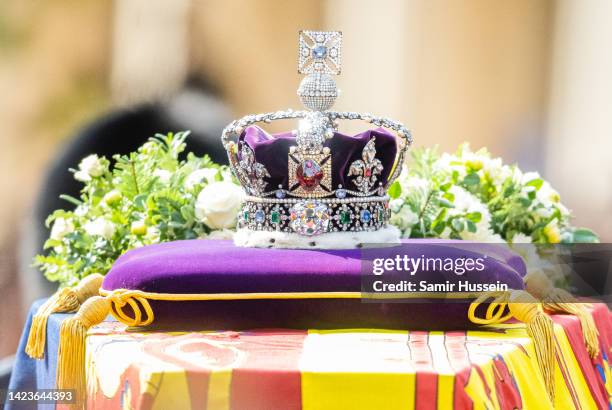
314	216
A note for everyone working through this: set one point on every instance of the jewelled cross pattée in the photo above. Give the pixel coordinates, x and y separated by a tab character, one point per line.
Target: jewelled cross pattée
319	52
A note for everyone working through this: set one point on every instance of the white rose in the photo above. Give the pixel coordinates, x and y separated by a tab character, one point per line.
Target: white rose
61	227
218	204
162	175
89	167
199	175
100	227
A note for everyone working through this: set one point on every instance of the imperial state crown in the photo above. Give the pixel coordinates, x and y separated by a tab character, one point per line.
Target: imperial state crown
315	187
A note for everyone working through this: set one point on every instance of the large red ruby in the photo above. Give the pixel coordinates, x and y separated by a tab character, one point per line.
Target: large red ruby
367	173
309	174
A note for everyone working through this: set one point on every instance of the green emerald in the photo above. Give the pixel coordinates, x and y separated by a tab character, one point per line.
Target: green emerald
275	217
381	215
345	217
245	215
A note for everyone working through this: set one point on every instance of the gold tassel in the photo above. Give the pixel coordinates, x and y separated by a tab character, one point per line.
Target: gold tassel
71	353
63	301
540	328
560	301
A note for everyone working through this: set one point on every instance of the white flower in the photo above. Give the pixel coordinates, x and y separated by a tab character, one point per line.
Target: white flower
199	175
496	171
449	163
218	204
521	238
226	175
100	227
404	218
152	235
61	227
529	176
162	175
223	234
90	166
547	195
81	210
396	204
466	203
544	212
409	183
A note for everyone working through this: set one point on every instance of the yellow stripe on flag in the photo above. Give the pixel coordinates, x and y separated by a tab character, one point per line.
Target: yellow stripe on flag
219	389
357	370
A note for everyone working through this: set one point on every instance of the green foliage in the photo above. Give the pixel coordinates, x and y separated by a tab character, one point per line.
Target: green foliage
144	198
469	195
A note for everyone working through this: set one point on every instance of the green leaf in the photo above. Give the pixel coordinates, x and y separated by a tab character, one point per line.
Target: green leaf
446	187
471	179
474	217
445	203
449	195
584	235
458	224
536	183
395	190
471	226
71	199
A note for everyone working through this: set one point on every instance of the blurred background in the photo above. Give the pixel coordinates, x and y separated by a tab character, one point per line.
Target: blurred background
529	79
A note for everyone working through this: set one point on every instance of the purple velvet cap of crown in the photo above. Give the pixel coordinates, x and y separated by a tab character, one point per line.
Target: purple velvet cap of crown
213	266
272	151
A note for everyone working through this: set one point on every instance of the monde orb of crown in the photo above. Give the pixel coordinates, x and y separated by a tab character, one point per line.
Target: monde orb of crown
318	91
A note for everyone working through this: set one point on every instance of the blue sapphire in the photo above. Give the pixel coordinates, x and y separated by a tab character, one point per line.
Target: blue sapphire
280	194
260	216
365	216
319	52
340	193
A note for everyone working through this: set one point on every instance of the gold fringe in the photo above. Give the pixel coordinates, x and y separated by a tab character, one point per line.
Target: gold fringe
71	355
540	328
560	301
63	301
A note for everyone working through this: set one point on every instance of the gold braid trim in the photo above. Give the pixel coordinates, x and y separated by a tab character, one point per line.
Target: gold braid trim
524	307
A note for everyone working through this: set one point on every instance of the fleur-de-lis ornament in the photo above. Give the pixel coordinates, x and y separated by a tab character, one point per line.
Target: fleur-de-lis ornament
251	172
366	169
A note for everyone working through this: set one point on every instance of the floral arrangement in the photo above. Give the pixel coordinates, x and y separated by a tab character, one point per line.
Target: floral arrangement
469	195
154	195
149	196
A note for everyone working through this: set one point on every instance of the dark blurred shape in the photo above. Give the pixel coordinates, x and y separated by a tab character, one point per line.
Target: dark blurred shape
122	131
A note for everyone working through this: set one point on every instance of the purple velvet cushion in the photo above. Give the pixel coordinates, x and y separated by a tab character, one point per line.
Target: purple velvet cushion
210	266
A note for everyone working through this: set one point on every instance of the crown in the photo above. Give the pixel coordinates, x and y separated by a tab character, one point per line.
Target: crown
314	186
